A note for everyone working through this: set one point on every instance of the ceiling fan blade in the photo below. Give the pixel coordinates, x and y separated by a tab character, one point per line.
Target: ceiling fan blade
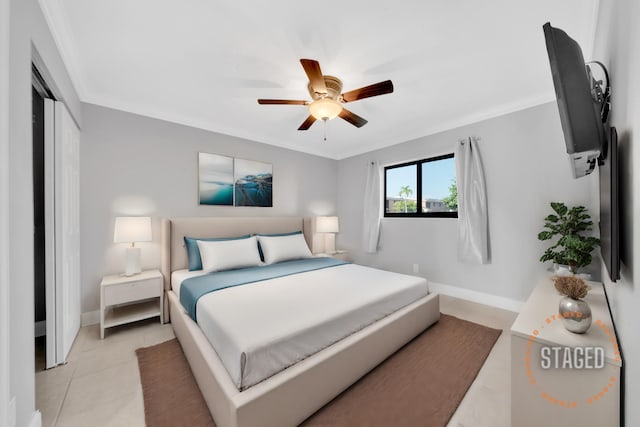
280	102
352	118
307	123
368	91
312	68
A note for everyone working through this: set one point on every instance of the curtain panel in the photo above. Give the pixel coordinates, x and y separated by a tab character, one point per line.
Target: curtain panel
473	224
372	208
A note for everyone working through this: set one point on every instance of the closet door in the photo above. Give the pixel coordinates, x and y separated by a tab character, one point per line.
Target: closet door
49	228
67	230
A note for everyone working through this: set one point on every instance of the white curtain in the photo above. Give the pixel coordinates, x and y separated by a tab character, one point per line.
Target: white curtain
372	208
473	227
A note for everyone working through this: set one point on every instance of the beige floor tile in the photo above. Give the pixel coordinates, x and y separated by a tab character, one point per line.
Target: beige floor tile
497	365
126	410
49	408
483	407
104	357
55	376
89	336
51	389
100	388
158	335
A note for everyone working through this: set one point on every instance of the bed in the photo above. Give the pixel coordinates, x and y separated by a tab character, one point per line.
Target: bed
283	397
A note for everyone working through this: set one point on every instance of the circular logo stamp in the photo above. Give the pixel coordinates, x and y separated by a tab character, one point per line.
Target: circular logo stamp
564	357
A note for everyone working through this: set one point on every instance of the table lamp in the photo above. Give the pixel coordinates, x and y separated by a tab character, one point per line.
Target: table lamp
329	226
132	229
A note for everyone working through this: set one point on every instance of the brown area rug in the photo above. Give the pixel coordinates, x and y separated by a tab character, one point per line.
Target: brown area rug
422	384
171	395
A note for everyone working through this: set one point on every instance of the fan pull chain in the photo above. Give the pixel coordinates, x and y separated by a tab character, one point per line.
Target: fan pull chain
325	129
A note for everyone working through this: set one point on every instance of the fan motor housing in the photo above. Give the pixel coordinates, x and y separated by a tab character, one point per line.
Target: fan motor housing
334	88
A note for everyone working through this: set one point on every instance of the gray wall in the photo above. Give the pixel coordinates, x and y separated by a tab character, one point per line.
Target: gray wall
526	167
30	39
134	165
617	45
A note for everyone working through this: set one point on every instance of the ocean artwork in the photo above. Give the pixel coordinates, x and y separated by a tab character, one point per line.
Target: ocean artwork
215	174
253	183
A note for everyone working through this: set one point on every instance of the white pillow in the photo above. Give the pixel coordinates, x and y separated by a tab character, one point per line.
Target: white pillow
283	248
228	254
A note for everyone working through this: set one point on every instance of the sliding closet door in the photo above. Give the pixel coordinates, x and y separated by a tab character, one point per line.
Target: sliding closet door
49	230
67	230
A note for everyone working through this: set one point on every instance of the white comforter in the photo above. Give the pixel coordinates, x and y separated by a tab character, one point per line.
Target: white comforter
261	328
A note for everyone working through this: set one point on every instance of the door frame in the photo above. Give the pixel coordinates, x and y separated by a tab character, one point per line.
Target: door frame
5	261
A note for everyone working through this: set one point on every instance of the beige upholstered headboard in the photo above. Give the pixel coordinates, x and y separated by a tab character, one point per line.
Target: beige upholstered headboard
173	230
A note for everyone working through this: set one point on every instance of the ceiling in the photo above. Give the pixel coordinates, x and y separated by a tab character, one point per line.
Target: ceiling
204	63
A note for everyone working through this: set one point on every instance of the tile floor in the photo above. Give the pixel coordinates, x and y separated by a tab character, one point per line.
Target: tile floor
100	385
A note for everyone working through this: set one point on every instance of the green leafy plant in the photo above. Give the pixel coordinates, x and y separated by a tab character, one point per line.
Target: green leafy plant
572	248
452	199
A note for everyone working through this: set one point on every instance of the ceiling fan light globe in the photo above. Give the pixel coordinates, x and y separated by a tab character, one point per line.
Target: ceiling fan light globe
325	109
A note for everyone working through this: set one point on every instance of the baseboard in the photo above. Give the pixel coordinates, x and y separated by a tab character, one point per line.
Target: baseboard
40	328
474	296
36	419
90	318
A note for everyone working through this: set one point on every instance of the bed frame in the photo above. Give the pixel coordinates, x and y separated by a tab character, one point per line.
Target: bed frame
291	396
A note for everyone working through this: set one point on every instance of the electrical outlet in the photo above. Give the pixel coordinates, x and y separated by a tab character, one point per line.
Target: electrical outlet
416	268
12	412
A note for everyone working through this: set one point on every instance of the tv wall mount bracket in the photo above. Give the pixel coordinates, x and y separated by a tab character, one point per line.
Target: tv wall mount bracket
600	89
601	93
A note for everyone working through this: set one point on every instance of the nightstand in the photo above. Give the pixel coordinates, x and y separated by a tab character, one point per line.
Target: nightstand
125	299
343	255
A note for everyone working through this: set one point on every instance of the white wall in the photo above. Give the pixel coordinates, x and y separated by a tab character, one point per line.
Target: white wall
526	167
135	165
617	45
29	38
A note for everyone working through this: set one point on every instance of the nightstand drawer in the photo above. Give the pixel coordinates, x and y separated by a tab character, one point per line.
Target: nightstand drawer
132	291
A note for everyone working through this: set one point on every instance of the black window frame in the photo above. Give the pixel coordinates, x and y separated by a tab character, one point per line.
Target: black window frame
418	213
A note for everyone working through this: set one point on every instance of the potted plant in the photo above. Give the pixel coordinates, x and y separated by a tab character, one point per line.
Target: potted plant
572	248
575	313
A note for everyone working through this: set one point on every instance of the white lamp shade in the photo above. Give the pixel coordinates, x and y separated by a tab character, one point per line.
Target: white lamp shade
327	224
131	229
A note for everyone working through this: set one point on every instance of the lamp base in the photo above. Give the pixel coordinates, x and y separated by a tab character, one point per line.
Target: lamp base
330	243
132	261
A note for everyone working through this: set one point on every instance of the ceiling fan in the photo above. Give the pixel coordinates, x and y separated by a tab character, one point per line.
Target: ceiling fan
327	96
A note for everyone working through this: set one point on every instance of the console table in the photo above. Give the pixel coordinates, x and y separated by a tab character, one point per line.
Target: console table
563	395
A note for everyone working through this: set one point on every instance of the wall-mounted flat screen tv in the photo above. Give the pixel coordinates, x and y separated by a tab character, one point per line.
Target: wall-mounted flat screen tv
583	108
584	133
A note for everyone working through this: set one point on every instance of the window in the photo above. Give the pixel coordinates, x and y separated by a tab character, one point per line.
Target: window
424	188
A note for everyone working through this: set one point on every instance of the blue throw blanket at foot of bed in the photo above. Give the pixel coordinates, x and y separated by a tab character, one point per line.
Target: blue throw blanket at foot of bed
195	287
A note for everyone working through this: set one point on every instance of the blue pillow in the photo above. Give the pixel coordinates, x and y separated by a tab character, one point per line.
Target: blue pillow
293	233
193	252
